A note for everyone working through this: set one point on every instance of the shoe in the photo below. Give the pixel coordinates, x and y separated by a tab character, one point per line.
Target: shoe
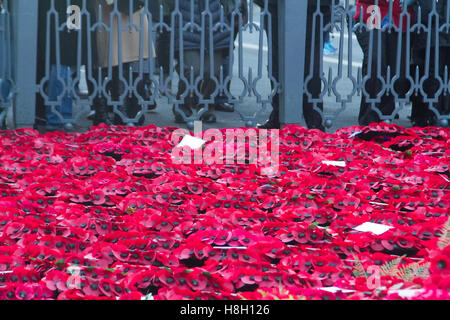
146	95
118	119
178	117
208	117
133	108
91	115
224	107
272	123
329	49
101	112
130	109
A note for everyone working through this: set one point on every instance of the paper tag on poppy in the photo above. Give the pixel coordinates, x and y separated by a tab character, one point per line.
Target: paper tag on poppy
375	228
335	163
355	134
90	257
191	142
407	293
336	289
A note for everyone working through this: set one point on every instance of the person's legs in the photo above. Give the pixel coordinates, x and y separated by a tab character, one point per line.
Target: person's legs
221	100
55	89
209	85
144	85
274	118
116	89
314	86
389	48
363	39
424	116
420	112
163	51
191	59
132	105
371	77
444	100
401	85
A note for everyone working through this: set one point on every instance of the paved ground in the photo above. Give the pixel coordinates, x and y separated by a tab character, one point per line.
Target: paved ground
162	116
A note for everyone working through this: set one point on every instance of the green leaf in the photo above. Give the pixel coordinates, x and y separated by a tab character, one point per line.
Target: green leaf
310	197
444	239
313	225
358	269
390	268
59	262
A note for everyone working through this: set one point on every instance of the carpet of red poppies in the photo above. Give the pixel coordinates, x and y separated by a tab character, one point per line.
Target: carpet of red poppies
107	215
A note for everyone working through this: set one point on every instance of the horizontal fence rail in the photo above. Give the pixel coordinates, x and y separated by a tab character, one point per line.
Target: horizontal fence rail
121	58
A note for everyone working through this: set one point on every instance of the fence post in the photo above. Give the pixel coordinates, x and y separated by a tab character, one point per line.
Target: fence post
292	39
24	14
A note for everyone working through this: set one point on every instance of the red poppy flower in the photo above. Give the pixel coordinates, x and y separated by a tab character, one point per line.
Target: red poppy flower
56	280
134	295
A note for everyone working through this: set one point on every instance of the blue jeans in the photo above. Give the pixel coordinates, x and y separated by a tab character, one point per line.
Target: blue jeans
4	90
4	83
55	89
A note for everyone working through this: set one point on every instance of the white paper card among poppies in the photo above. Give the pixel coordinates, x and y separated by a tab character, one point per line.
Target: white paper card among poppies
192	142
407	293
341	164
336	289
375	228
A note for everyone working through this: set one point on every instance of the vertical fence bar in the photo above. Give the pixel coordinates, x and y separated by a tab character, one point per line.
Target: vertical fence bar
24	20
292	39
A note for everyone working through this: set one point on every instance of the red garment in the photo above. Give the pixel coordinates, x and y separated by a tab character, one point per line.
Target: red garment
384	10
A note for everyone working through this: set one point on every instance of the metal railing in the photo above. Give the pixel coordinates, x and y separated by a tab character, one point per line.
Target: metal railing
6	84
289	72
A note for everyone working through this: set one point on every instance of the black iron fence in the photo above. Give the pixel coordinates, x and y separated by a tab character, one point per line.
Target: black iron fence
6	84
109	62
